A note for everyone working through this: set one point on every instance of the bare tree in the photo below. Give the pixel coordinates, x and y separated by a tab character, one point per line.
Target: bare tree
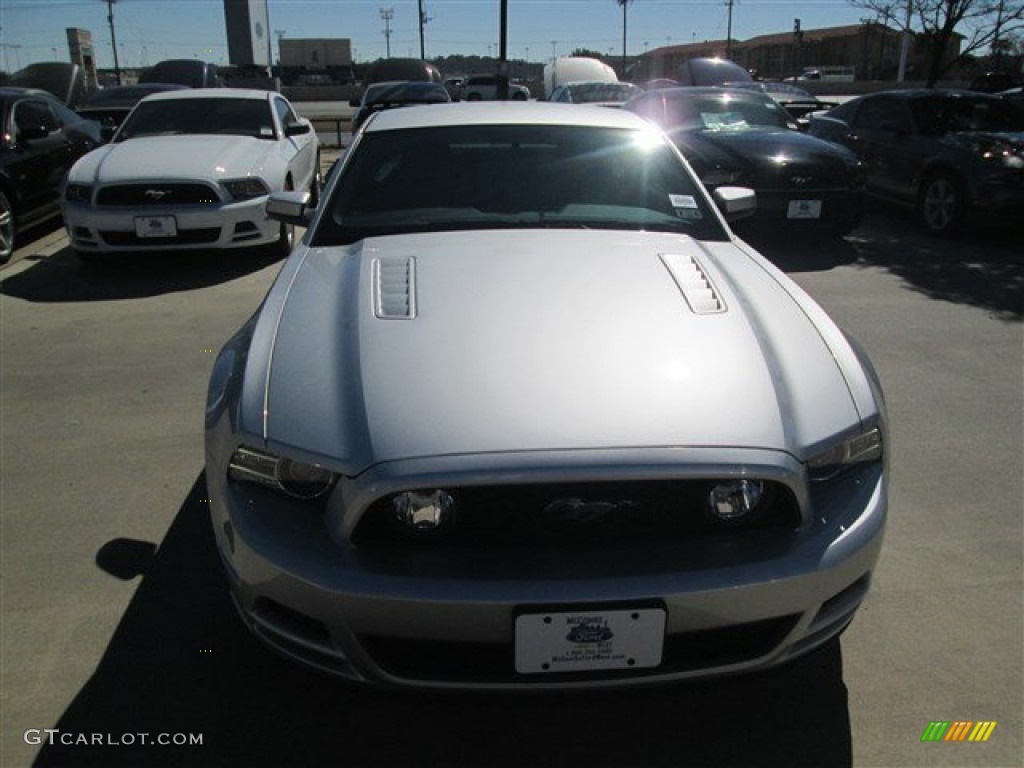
981	23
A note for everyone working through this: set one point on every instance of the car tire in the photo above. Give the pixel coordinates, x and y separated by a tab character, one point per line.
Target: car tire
941	203
286	234
316	183
518	96
8	229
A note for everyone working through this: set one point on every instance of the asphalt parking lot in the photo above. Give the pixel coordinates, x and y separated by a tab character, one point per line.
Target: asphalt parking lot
116	622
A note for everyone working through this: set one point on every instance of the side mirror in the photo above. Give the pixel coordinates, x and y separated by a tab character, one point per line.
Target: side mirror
290	208
735	203
33	132
297	128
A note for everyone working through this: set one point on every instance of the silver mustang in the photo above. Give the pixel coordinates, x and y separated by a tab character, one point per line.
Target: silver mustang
521	412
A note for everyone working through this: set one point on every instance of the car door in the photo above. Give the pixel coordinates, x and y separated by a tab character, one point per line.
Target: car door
43	156
299	150
882	135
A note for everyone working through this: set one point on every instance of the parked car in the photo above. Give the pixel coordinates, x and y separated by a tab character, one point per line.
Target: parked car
191	170
385	70
485	88
707	71
40	139
190	72
401	93
951	155
543	424
737	137
110	106
63	80
800	104
454	87
595	92
994	82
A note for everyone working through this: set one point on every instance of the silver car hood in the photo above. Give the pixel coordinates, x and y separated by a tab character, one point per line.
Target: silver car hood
487	342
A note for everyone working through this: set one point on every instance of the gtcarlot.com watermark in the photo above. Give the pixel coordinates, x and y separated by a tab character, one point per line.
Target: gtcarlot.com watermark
55	736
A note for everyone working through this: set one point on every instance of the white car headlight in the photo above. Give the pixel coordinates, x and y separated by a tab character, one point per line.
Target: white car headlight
859	449
246	189
78	193
296	478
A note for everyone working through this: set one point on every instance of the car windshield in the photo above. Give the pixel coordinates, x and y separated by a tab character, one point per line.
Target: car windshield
241	117
587	93
405	93
780	91
936	117
727	112
508	177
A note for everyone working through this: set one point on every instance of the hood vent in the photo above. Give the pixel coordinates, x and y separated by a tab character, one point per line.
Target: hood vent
696	288
394	288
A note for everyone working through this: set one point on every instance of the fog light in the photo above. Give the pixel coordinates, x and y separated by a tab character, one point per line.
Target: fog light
734	500
423	511
304	481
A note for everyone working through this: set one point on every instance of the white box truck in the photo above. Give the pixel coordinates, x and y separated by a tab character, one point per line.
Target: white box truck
574	69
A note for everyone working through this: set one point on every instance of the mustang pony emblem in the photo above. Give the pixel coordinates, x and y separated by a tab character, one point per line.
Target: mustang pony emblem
157	194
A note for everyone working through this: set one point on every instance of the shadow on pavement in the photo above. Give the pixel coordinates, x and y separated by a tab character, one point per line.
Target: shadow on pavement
979	267
64	277
181	662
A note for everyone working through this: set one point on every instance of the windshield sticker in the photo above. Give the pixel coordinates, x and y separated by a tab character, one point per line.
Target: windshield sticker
723	121
266	132
682	201
689	213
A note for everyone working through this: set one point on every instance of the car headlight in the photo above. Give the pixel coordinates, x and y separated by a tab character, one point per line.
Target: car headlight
246	189
862	448
78	193
295	478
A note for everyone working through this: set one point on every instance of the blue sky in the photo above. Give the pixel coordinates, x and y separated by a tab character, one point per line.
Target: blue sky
150	30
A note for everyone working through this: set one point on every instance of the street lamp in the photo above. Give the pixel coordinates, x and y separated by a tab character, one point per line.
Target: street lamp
113	40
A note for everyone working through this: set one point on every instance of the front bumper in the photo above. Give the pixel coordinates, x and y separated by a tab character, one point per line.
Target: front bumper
443	619
228	225
839	210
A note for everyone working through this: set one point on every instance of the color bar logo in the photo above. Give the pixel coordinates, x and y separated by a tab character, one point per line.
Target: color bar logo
958	730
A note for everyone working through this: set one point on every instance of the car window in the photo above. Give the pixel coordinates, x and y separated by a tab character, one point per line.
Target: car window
34	115
883	114
242	117
502	177
938	116
285	113
585	93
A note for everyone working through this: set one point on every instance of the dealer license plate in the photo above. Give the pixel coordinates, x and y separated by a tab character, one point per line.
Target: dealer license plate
155	226
582	641
804	209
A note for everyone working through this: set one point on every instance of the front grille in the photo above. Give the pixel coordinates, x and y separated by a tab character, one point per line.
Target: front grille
557	514
816	176
157	194
184	237
432	660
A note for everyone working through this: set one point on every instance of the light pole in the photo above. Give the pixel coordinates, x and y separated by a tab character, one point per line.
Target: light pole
387	14
113	40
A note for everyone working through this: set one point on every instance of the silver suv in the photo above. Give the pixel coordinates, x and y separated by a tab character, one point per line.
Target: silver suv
485	88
